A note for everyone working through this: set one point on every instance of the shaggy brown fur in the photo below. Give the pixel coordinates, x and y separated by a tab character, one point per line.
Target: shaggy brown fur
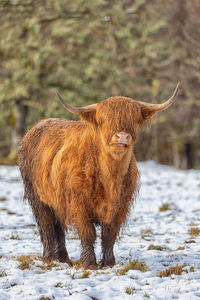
77	174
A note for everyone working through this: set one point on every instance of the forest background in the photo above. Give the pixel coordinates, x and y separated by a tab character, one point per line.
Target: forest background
91	50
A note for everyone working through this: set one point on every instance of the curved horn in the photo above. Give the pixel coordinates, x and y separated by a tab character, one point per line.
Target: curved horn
75	110
162	106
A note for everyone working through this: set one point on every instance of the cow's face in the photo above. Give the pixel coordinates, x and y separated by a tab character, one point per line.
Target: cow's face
117	121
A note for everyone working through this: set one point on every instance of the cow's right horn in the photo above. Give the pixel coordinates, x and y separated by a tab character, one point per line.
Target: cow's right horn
75	110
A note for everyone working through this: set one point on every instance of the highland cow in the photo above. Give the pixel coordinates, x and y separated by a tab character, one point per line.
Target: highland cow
80	174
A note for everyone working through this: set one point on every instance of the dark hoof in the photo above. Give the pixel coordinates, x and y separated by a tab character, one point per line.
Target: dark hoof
88	262
66	260
104	263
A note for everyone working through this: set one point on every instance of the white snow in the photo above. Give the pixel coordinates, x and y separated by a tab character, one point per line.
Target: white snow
146	226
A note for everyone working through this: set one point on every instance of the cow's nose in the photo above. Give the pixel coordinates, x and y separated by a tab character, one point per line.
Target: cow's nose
123	137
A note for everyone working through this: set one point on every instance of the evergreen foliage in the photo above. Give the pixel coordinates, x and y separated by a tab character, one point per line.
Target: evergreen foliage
91	50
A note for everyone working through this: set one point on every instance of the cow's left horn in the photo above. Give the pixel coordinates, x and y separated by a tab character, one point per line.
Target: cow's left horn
75	110
165	105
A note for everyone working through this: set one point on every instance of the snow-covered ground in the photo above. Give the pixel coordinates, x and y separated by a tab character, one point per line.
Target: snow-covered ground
23	275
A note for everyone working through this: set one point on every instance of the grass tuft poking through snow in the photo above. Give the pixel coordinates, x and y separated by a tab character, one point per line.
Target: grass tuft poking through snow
25	262
130	291
3	198
14	237
85	274
133	265
3	273
155	247
145	234
177	270
194	231
164	207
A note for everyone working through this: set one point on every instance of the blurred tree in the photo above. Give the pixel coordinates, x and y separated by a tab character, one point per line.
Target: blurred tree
175	135
91	50
85	49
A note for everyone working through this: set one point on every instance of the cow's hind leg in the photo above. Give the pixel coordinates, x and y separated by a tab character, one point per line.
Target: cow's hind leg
61	251
46	224
51	232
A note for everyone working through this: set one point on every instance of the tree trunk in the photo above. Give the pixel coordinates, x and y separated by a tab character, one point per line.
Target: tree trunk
189	155
176	156
20	114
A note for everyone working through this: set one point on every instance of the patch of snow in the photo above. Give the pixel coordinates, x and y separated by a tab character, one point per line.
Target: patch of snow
147	225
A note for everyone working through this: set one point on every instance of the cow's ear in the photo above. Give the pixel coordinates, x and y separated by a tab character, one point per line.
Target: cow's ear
147	113
89	116
148	109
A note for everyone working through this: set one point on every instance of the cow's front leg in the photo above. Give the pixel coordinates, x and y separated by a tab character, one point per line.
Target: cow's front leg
108	237
87	234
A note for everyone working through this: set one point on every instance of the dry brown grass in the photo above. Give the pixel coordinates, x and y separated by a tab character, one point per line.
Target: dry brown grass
155	247
130	291
3	198
3	274
25	262
133	265
85	274
14	237
180	248
177	270
77	264
192	269
164	207
49	265
195	231
146	233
